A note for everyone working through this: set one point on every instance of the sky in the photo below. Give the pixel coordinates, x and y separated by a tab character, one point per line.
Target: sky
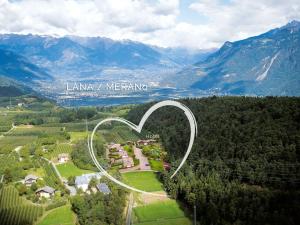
193	24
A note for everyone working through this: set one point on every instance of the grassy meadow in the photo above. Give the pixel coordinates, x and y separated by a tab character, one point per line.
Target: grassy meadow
59	216
69	169
144	180
165	212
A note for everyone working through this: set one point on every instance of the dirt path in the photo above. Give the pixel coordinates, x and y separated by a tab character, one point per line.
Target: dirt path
129	209
147	199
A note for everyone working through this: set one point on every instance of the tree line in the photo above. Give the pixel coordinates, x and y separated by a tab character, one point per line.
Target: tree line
244	166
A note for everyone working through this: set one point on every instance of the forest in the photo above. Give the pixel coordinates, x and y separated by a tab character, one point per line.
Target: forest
244	166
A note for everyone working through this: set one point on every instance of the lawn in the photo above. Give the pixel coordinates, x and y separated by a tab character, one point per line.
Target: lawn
62	215
166	212
156	165
146	181
69	169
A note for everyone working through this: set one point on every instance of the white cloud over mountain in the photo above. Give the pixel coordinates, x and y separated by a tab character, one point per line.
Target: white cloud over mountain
150	21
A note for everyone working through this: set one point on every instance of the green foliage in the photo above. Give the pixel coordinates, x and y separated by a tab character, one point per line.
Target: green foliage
16	211
244	167
51	178
101	209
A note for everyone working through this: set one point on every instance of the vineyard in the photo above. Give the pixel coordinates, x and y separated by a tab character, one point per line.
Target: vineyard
58	149
51	177
119	134
6	160
34	131
14	141
17	211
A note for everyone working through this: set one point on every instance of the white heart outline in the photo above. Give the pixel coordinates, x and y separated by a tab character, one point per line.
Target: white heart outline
138	128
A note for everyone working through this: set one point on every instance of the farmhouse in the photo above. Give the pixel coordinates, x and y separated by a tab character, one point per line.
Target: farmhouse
46	192
30	179
146	142
84	180
102	187
63	157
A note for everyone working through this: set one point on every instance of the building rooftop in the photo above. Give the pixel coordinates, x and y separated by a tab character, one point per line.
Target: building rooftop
30	177
86	178
47	189
102	187
62	155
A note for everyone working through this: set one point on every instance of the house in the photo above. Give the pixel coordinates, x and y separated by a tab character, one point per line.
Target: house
30	179
102	187
84	180
46	192
63	157
128	162
145	142
114	146
123	154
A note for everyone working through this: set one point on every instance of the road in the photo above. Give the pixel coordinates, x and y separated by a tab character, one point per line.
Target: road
129	209
144	163
70	188
7	132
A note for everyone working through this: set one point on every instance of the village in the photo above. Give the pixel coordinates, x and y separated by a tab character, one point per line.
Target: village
126	157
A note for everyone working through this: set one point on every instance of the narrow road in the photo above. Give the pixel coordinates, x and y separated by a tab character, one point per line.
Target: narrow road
70	188
129	209
144	163
17	150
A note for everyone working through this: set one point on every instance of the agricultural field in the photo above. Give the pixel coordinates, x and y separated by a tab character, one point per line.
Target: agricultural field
16	210
119	134
76	136
160	213
51	178
143	180
28	130
15	141
69	169
58	149
62	215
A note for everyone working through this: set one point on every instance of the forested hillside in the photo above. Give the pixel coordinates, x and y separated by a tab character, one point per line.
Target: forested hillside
244	167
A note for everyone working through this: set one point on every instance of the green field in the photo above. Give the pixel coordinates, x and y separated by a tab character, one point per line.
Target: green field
146	181
69	169
16	210
164	213
156	165
62	215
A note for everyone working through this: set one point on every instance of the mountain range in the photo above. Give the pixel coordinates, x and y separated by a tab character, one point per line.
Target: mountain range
267	64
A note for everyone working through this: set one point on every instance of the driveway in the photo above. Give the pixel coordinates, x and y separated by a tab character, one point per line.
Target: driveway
144	163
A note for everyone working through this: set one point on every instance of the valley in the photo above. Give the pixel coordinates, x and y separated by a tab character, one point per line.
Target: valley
45	163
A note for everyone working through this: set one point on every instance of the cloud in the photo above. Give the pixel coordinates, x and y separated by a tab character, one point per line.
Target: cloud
155	22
